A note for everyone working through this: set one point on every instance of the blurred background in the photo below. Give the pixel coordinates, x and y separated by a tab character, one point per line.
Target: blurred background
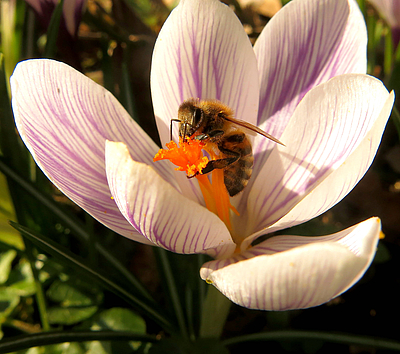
111	41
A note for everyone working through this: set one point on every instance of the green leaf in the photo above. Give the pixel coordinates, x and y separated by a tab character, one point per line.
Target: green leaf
120	319
8	301
72	348
116	319
127	98
70	315
75	262
6	259
74	293
131	283
21	280
52	31
145	11
64	348
98	348
7	233
47	338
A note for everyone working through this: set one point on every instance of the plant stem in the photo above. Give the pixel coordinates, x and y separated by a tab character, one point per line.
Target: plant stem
173	291
215	311
30	253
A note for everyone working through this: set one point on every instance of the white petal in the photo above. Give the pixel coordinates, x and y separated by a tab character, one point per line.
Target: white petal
64	118
155	209
293	272
305	44
346	115
389	10
203	52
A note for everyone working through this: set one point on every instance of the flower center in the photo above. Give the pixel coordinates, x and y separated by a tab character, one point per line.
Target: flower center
188	156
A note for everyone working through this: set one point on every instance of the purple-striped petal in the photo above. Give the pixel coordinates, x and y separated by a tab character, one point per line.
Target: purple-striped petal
305	44
343	116
293	272
64	118
72	15
203	52
72	12
155	209
338	184
389	10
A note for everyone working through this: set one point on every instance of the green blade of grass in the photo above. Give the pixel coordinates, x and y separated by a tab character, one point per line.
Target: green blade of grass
52	31
12	15
40	339
75	225
71	260
167	274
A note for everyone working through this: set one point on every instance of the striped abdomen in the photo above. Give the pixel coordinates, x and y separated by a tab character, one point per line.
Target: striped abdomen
236	174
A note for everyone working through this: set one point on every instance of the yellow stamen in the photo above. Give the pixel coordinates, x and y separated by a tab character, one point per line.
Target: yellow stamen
188	156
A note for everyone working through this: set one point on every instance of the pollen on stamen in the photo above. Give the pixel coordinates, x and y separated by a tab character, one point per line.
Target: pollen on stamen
188	156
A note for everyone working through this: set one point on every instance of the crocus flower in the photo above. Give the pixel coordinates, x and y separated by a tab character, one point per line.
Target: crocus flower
303	82
68	28
390	11
72	13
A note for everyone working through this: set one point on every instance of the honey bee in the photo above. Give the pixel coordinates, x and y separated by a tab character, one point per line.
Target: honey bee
212	122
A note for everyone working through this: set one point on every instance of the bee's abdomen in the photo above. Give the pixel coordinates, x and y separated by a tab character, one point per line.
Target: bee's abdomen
237	174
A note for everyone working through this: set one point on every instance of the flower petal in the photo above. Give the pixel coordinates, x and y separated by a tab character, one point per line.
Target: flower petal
346	115
293	272
305	44
203	52
72	12
164	216
72	15
64	119
389	10
337	185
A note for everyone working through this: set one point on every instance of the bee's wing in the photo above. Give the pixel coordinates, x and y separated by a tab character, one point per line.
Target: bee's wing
252	129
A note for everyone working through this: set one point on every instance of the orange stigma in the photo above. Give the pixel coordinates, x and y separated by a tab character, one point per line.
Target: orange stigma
188	156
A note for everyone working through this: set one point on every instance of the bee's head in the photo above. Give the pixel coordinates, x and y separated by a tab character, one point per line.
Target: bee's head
190	117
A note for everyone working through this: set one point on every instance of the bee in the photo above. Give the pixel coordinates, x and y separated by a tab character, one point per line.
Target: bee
212	122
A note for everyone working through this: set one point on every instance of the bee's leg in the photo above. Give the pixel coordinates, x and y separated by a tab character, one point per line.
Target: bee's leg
220	163
201	137
210	135
217	164
193	175
215	133
227	146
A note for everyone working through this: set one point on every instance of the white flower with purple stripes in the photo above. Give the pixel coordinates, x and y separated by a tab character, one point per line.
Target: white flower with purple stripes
303	82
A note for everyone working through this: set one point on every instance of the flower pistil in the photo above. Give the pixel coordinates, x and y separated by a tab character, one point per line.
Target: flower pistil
188	156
